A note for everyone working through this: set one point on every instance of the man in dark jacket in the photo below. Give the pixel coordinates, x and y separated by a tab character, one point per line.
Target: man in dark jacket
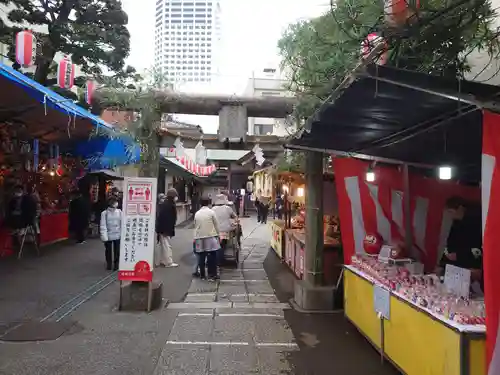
79	217
464	244
165	227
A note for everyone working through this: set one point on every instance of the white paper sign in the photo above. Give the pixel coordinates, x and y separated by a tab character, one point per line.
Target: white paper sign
382	301
384	254
138	229
457	280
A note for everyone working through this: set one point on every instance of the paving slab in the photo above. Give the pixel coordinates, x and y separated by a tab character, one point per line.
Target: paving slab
249	311
202	286
233	361
223	297
197	305
275	361
191	328
232	288
259	287
233	329
183	361
272	330
231	274
263	298
261	305
200	297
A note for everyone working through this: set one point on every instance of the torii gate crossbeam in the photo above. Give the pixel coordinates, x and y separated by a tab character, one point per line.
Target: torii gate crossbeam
173	102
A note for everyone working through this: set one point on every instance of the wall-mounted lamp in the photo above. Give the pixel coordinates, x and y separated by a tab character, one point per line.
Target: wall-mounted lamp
300	191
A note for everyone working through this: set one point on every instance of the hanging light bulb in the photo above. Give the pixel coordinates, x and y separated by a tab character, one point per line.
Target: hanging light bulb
445	172
370	175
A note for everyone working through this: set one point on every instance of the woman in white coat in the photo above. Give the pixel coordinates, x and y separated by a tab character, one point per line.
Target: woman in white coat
206	239
111	229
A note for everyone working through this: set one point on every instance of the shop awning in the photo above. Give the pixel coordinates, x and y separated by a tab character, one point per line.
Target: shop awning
41	113
398	115
105	153
175	167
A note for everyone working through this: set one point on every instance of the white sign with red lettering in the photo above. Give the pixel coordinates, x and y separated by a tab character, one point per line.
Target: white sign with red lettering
138	229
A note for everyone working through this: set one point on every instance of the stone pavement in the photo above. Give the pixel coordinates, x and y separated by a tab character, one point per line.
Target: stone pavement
233	326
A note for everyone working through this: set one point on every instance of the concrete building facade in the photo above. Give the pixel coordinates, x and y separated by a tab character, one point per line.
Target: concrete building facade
187	39
268	83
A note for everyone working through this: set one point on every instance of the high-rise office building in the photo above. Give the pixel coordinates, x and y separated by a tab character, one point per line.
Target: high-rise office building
187	39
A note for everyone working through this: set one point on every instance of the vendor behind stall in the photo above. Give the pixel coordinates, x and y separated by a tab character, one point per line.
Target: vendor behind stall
464	244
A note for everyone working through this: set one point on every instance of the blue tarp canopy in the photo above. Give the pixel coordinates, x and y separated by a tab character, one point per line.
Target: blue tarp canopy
104	153
40	113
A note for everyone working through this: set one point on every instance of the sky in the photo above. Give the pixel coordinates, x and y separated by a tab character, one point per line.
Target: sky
250	33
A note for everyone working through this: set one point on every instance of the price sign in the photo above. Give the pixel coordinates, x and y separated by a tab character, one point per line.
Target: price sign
457	280
382	301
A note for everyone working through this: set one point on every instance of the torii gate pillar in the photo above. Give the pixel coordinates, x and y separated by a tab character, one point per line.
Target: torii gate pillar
233	123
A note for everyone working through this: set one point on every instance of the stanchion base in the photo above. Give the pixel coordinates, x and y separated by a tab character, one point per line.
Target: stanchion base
310	298
135	296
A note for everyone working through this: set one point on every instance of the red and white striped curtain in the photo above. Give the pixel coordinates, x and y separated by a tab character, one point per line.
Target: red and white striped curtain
490	196
378	207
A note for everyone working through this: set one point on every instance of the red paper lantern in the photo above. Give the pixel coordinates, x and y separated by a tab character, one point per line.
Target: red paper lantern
369	44
373	243
90	87
25	48
65	73
398	12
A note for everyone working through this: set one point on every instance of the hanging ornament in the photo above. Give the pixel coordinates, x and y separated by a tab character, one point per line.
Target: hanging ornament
25	48
65	73
398	12
59	169
90	87
371	41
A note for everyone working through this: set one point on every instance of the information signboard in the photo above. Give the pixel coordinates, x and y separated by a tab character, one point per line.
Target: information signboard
138	229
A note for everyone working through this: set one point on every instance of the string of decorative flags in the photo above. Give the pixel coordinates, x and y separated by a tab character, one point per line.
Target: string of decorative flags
190	165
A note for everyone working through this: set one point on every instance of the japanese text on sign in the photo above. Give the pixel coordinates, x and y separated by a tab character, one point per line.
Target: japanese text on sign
138	226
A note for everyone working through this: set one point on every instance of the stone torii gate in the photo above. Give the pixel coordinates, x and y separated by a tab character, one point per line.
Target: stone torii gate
233	112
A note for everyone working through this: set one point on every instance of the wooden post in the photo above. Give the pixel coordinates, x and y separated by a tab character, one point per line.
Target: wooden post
314	219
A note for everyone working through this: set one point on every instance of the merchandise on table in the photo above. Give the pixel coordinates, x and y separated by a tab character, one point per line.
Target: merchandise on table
425	291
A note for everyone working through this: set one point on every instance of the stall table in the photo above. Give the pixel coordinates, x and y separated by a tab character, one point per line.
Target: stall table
295	242
414	339
53	228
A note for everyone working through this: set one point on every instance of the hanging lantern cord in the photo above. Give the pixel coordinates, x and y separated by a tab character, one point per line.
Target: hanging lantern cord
69	126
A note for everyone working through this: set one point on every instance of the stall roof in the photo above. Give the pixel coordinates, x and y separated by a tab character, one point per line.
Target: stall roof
41	112
398	115
169	162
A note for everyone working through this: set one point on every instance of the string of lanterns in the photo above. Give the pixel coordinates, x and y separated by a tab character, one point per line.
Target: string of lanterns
190	165
26	49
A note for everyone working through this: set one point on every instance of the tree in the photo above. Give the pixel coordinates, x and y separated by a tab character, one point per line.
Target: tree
318	54
93	32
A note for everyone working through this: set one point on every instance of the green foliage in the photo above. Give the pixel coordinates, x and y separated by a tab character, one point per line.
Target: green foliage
93	32
291	161
318	54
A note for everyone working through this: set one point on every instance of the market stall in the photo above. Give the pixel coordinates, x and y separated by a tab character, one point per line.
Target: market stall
444	346
390	198
288	235
40	135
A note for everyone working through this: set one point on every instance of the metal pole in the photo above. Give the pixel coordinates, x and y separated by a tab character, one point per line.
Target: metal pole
150	295
407	212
